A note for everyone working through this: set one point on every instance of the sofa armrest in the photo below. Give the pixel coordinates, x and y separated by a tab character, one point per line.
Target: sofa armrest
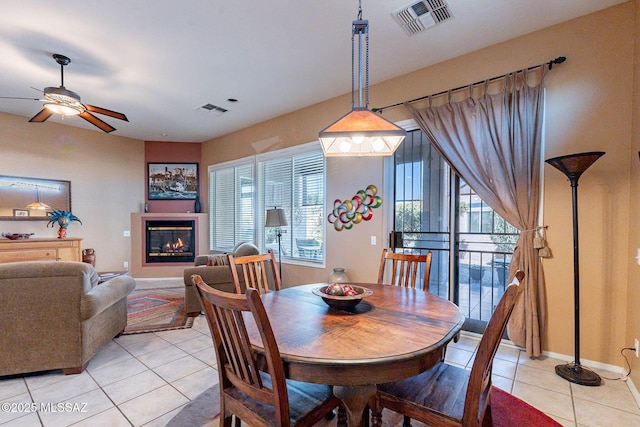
215	276
105	295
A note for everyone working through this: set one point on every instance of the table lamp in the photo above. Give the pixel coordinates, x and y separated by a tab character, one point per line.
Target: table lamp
276	218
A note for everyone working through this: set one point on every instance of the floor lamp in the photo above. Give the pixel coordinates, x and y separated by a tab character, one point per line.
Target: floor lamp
276	218
573	165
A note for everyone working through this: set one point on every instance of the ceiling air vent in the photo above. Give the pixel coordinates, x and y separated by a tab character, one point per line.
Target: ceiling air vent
212	108
420	15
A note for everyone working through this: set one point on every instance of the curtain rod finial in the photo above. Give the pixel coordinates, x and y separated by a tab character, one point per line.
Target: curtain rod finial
558	60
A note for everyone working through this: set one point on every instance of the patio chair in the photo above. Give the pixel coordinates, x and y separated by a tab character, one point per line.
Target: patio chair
257	395
447	395
258	271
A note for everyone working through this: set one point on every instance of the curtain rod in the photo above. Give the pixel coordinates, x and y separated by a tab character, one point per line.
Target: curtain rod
558	60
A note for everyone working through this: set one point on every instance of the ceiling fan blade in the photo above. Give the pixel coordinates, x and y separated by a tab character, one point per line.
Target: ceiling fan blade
43	115
106	112
18	97
97	122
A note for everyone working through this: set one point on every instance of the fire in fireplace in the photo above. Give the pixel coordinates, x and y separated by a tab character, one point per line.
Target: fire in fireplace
170	241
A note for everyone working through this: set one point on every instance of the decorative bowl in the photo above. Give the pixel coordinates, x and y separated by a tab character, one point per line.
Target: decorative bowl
17	236
343	302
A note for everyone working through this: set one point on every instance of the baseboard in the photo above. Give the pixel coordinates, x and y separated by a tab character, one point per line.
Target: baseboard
585	362
634	391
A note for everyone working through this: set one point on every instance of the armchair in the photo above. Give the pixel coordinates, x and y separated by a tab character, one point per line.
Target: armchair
214	270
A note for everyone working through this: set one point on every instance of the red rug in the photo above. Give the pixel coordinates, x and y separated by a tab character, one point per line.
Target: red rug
509	411
153	310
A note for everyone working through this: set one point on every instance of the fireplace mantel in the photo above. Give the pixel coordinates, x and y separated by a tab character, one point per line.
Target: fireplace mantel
139	268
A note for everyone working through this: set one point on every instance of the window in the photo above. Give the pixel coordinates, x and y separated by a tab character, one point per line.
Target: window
292	179
231	200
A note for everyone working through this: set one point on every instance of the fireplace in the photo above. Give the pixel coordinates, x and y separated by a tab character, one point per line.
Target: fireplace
169	241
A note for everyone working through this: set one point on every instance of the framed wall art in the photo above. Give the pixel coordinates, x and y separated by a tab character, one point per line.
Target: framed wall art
172	181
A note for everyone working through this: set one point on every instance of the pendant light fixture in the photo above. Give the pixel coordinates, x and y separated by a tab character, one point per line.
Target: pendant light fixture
361	132
38	205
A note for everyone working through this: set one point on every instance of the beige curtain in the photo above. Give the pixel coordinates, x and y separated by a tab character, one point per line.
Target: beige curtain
494	143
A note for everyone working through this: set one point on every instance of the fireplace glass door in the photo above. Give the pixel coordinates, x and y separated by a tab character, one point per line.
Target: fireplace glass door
170	241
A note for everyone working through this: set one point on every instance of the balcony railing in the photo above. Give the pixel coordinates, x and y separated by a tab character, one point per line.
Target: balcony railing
481	270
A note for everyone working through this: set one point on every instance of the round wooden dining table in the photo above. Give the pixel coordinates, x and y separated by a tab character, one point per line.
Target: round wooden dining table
393	334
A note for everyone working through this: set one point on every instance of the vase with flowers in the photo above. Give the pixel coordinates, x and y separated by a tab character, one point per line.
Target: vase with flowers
63	219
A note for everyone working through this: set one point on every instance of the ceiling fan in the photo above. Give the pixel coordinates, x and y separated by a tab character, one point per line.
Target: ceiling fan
60	100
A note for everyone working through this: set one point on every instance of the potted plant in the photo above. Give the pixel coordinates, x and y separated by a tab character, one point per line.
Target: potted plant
63	218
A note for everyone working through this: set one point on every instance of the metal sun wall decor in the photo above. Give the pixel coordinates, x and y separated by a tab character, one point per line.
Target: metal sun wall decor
360	208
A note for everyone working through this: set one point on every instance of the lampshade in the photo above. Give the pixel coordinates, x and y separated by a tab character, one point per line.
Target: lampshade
361	132
573	165
39	206
275	218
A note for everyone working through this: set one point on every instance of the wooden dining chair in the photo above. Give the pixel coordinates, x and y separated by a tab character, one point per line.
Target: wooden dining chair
447	395
258	271
256	394
404	268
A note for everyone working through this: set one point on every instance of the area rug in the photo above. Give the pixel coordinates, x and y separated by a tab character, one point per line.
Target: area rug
507	411
153	310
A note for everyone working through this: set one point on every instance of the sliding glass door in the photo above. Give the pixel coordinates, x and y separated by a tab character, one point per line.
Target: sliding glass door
436	211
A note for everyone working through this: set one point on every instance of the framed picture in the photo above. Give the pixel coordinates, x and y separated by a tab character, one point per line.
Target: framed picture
20	212
172	181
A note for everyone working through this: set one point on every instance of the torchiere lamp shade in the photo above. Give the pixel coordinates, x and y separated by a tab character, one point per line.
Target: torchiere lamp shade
573	165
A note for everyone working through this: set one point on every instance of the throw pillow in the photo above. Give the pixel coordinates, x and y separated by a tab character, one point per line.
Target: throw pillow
215	260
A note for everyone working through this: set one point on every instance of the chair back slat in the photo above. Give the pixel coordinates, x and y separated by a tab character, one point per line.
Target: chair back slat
258	271
404	269
479	387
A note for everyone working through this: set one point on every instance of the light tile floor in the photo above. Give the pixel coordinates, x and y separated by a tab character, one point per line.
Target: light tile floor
145	379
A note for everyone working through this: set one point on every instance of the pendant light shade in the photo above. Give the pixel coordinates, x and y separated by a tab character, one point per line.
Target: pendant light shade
361	132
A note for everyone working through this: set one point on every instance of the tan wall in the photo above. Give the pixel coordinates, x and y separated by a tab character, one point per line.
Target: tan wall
588	108
633	283
106	174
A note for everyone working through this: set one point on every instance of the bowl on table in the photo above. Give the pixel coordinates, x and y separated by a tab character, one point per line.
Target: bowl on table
17	236
342	302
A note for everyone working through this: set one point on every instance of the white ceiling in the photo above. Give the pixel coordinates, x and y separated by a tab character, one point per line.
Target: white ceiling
157	61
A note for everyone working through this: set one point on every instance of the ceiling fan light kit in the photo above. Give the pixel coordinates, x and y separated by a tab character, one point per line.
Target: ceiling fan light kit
361	132
60	100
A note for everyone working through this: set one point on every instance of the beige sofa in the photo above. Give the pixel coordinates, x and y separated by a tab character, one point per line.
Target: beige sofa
55	315
217	276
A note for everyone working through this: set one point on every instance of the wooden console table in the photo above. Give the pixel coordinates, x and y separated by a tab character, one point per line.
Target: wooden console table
69	249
